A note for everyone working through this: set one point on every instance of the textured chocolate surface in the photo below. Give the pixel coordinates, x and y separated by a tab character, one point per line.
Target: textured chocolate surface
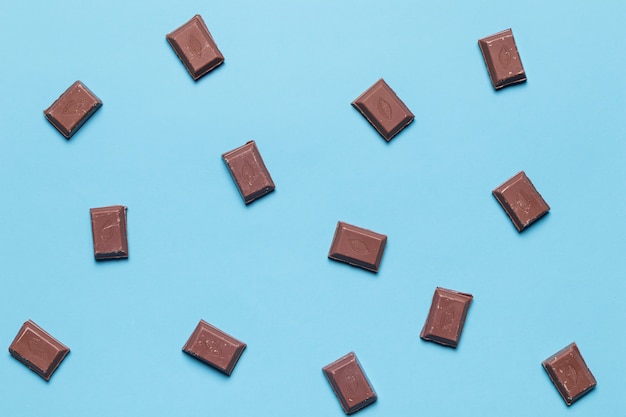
521	201
350	384
195	47
383	109
214	347
108	226
38	350
357	246
72	109
502	59
249	172
446	317
569	373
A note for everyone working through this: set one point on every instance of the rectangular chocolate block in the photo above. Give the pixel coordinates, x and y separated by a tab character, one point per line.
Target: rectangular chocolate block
446	317
249	172
108	226
357	246
38	350
380	105
521	201
569	373
502	59
350	384
72	109
195	47
214	347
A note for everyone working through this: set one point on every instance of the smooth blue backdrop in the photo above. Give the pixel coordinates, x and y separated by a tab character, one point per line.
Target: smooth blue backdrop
261	272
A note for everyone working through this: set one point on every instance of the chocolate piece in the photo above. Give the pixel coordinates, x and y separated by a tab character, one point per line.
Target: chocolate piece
503	61
195	47
214	347
446	317
108	225
72	109
569	373
248	170
350	384
521	201
38	350
357	246
383	109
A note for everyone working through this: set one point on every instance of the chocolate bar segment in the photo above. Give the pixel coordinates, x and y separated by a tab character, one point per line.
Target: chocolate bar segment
446	317
383	109
521	201
502	59
38	350
357	246
72	109
108	226
350	384
249	172
214	347
195	47
569	373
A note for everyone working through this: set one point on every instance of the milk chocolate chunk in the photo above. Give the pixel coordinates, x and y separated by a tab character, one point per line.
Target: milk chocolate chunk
446	317
72	109
357	246
214	347
350	384
502	59
195	47
380	105
249	172
38	350
569	373
108	226
521	201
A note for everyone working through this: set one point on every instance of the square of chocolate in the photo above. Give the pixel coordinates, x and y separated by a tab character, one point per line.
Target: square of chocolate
72	109
446	317
38	350
350	384
383	109
249	172
108	226
521	201
502	59
214	347
357	246
569	373
195	47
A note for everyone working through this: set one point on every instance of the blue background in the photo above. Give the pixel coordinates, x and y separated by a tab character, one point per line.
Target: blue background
261	272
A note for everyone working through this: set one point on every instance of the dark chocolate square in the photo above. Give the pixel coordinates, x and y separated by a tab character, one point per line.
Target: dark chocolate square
72	109
502	59
350	384
569	373
249	172
383	109
108	226
446	317
357	246
195	47
521	201
214	347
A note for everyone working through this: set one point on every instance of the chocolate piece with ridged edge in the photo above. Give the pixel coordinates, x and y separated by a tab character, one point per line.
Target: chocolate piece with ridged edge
249	172
108	226
357	246
503	62
214	347
446	317
72	109
350	384
569	373
521	201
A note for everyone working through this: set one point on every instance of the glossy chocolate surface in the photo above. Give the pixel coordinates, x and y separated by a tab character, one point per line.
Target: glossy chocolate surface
249	172
357	246
214	347
108	227
569	373
350	384
521	201
502	59
446	317
72	109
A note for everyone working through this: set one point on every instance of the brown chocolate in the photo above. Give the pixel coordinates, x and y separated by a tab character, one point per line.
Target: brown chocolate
357	246
383	109
108	226
38	350
350	384
502	59
521	201
214	347
249	172
72	109
195	47
569	373
446	317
